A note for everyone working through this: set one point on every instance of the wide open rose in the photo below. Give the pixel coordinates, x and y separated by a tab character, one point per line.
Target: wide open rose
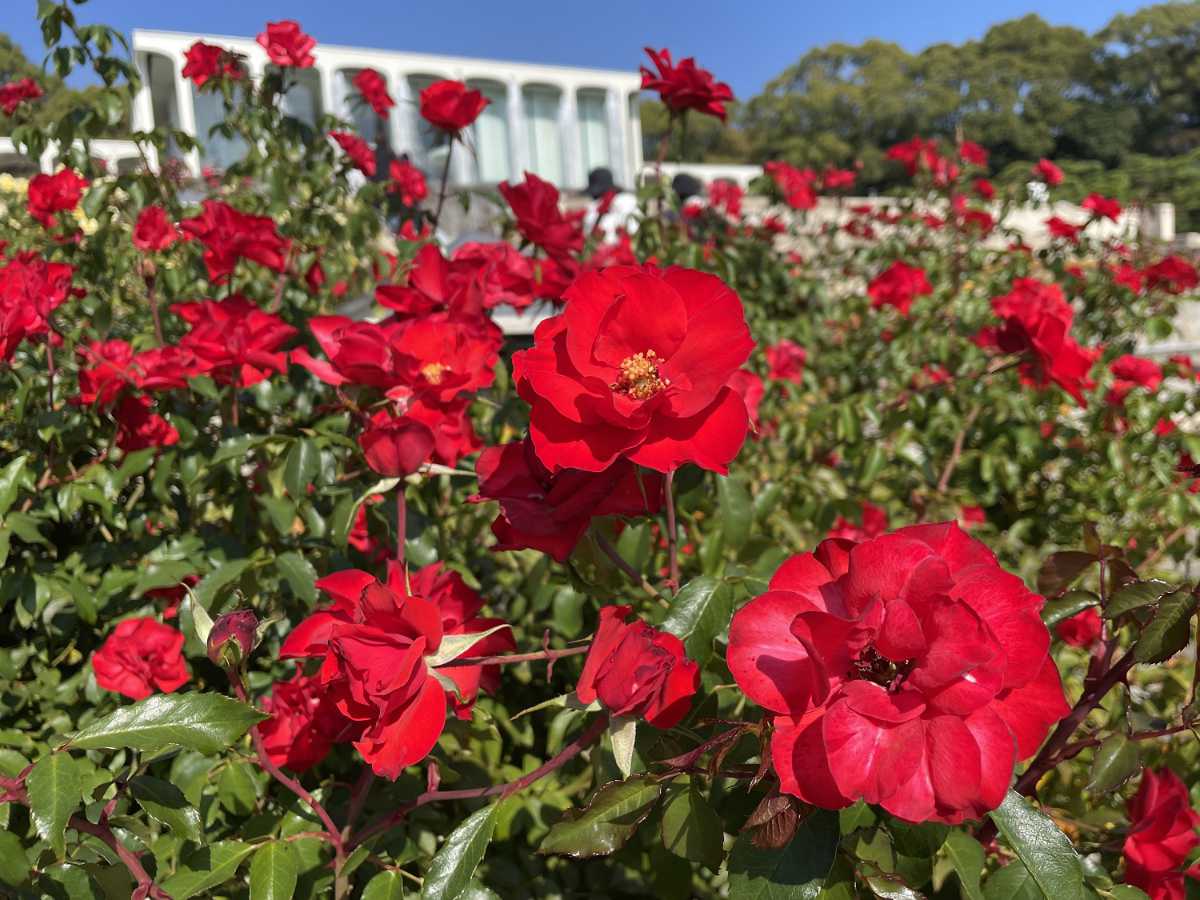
910	671
636	366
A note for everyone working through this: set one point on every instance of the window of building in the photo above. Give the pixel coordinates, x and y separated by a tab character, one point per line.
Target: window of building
303	97
432	143
490	135
593	129
366	123
545	135
164	101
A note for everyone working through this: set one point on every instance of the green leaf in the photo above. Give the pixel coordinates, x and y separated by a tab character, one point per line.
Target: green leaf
345	521
10	483
300	576
451	869
165	803
1126	892
1114	762
1060	569
736	510
1013	882
274	872
385	886
692	829
1039	844
796	871
301	468
455	645
623	734
1170	629
1135	596
607	822
14	861
699	612
211	584
54	795
163	574
1069	604
208	723
967	856
207	868
236	790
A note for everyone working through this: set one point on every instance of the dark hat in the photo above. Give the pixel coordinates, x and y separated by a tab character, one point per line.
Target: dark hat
686	186
600	182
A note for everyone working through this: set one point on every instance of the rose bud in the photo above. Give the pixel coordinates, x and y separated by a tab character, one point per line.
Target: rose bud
396	447
232	638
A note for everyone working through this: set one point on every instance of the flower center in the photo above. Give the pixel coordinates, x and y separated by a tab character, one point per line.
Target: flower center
870	666
433	372
639	376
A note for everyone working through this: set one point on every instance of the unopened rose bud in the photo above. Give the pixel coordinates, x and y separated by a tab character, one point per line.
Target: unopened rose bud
232	638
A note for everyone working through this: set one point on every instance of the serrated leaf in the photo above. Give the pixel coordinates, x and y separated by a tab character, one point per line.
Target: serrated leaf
300	575
10	483
301	467
623	734
796	871
1013	882
54	795
165	803
167	573
1135	596
692	829
699	612
1069	604
1045	851
451	869
1060	569
455	645
274	871
206	868
607	822
1115	760
14	861
385	886
344	520
967	856
736	511
206	722
210	585
191	611
1170	629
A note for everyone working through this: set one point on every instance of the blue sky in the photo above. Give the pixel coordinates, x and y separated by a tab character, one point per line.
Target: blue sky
745	43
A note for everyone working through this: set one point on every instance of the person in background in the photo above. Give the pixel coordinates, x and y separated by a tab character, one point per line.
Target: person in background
612	210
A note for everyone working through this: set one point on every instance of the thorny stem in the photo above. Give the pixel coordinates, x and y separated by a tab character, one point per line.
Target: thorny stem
625	566
437	216
508	658
153	298
401	524
672	531
585	739
956	452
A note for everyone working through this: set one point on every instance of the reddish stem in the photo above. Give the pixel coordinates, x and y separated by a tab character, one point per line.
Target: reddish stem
672	531
508	658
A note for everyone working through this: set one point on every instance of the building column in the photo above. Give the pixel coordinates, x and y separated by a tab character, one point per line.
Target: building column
518	133
616	140
142	114
330	101
404	122
568	125
187	114
634	151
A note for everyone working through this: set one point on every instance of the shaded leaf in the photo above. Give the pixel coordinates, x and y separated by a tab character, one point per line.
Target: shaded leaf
1135	596
1114	762
699	612
300	576
301	467
607	822
166	803
206	868
452	867
1045	851
967	856
796	871
1069	604
692	829
274	871
1170	629
736	510
54	795
384	886
1060	569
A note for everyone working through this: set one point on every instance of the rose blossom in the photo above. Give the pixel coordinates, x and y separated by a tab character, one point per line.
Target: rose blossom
141	656
637	671
304	723
636	367
909	670
373	88
154	230
50	194
451	106
17	92
1048	172
534	203
685	86
785	361
1161	836
287	46
358	151
898	286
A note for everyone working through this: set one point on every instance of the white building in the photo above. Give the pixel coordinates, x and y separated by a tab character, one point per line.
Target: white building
558	122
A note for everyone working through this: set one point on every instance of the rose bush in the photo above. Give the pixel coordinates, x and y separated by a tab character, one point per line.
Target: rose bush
786	559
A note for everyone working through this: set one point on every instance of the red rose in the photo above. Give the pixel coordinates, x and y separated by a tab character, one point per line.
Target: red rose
373	88
898	286
17	92
1048	172
796	185
1080	630
534	203
984	189
685	86
50	194
1037	322
375	643
1162	835
1060	228
304	723
206	61
229	235
362	157
1126	275
505	275
726	196
1102	207
139	427
237	342
917	154
785	361
408	182
451	105
395	447
973	154
910	671
140	657
751	389
637	671
154	230
30	290
636	367
1138	372
874	521
837	179
106	368
971	516
550	512
453	431
287	46
1172	274
433	284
